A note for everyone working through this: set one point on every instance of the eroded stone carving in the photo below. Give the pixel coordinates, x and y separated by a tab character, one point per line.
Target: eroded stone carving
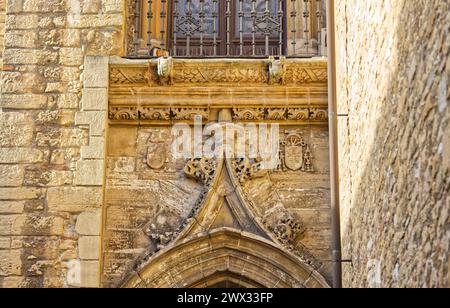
154	114
283	225
165	70
248	114
123	113
276	114
296	154
298	114
201	169
248	169
189	114
318	114
277	70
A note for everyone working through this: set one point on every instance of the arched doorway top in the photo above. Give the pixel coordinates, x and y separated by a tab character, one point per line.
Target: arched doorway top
225	255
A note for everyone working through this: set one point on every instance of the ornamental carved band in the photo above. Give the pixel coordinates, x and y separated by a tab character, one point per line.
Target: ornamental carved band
128	114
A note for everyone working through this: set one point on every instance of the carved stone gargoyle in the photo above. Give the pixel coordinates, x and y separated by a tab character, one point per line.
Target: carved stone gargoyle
165	70
277	70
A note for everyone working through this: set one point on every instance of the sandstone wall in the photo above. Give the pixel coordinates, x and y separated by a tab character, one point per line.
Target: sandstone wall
2	26
394	83
52	118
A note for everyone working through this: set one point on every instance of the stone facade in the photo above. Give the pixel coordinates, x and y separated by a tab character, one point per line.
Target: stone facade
85	199
52	138
394	84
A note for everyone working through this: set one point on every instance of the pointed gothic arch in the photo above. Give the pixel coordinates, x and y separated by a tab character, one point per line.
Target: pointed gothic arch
226	255
224	244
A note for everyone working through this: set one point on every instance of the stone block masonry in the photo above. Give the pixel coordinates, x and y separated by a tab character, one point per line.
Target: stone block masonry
52	127
394	82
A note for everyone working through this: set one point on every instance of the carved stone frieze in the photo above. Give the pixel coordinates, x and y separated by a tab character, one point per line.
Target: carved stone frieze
276	114
189	114
298	114
123	113
248	114
168	71
318	114
156	114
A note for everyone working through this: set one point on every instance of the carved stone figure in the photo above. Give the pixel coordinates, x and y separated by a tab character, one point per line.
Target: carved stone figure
165	70
277	70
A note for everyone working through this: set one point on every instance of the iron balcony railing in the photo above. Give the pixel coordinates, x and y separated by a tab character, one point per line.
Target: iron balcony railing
227	28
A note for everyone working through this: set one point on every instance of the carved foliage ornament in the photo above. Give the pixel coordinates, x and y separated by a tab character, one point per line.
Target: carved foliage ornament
201	169
284	226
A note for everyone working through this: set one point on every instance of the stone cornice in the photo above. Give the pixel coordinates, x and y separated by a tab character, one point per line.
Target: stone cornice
165	91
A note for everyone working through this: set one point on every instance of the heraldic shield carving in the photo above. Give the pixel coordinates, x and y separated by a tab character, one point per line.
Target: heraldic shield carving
293	151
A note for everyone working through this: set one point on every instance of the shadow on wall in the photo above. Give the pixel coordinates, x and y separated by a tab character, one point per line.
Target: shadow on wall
395	145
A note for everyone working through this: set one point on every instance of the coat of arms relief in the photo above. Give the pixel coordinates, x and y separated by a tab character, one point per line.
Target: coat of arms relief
296	153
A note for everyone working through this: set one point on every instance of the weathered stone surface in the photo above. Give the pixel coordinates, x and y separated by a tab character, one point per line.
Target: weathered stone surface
95	99
95	149
73	199
89	247
20	193
16	129
395	184
25	101
10	262
12	207
20	155
31	224
90	173
96	72
96	120
89	223
11	175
